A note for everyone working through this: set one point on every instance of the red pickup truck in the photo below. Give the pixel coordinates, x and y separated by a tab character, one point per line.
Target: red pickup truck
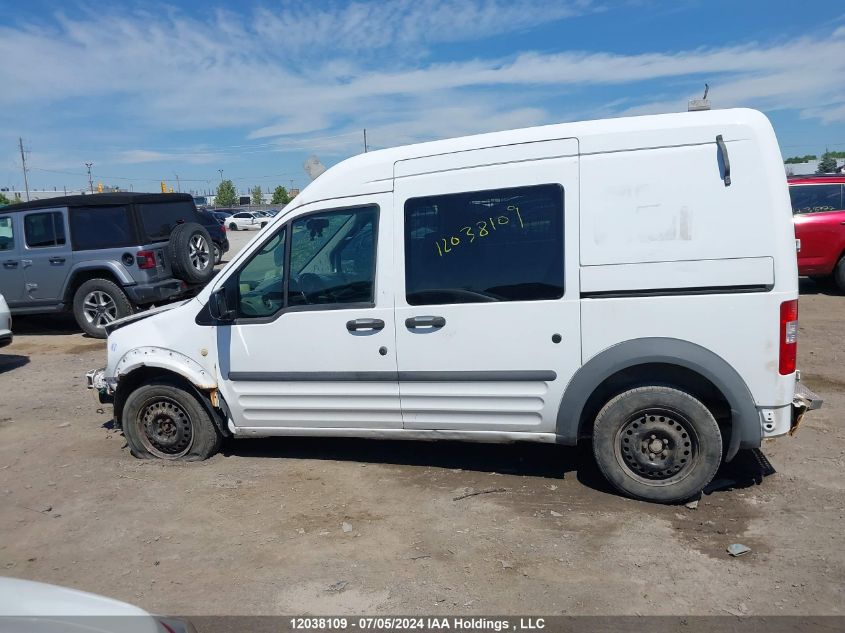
818	207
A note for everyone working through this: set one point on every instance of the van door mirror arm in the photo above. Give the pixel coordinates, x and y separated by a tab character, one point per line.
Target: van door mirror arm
218	307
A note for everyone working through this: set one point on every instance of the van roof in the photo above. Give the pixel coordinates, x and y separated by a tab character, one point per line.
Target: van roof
99	200
373	172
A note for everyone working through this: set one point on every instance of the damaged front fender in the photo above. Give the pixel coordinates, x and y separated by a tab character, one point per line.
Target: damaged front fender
169	360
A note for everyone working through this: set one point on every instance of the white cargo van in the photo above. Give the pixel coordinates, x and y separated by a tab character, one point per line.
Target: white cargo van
632	281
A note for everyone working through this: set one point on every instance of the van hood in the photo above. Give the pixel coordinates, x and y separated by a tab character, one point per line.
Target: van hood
119	323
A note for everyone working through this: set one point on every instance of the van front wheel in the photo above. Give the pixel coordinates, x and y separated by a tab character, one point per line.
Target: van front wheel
657	444
163	420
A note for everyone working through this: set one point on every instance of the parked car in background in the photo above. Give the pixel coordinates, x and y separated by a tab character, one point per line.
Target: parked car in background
818	205
102	256
217	230
5	323
221	214
27	606
245	220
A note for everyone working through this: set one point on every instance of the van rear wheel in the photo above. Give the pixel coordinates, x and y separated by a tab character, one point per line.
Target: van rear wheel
657	444
163	420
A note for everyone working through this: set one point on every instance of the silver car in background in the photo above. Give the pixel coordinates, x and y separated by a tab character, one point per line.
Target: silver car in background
5	323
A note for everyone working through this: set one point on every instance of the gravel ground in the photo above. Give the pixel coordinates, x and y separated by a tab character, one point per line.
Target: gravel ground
259	529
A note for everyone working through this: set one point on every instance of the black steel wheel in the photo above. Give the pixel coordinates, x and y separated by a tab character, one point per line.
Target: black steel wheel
166	428
163	420
657	444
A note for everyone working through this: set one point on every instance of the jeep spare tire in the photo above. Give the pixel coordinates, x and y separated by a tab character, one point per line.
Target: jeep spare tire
191	253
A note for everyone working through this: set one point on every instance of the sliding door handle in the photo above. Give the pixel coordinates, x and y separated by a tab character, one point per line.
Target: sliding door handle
364	324
425	321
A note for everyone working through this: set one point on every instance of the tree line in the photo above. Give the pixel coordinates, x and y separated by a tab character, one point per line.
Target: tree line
227	196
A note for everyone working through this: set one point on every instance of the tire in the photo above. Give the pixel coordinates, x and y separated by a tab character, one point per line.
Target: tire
162	420
839	274
98	302
683	434
263	224
233	227
218	253
190	253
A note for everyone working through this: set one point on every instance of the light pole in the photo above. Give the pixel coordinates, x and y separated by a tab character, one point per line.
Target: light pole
221	175
90	180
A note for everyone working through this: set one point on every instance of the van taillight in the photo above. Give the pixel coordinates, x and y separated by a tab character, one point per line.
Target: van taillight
146	259
788	336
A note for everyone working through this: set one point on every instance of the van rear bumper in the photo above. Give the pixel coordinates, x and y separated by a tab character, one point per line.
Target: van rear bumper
804	400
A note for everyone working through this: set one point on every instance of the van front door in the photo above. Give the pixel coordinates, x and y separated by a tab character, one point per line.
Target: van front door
313	343
488	318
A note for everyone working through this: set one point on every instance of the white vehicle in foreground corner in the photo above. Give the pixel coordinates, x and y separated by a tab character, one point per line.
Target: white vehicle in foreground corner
36	607
547	284
5	323
244	221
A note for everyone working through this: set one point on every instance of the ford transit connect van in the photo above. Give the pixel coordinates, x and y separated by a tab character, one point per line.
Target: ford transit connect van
546	284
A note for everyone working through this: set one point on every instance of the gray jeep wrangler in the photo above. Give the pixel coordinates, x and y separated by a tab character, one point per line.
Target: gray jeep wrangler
102	255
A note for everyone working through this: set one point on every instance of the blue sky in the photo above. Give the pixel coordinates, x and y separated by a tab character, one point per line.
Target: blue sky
148	90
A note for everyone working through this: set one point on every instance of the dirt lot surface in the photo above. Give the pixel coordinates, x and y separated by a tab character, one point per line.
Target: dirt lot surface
259	529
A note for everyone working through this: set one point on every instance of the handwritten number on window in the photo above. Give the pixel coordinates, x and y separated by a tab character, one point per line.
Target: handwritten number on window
485	227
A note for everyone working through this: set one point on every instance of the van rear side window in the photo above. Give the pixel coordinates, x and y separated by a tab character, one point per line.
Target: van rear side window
484	246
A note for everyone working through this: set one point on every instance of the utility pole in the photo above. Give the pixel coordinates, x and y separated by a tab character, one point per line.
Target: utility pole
90	180
365	140
221	174
23	164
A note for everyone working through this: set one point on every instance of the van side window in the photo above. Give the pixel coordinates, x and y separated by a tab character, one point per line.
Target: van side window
816	198
332	257
495	245
331	262
7	234
44	229
261	282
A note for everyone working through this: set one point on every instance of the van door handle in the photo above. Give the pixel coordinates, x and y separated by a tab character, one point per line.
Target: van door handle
10	263
364	324
57	260
726	161
425	321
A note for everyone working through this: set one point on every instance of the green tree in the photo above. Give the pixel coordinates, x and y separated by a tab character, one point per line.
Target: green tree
794	160
226	194
280	195
827	165
4	200
257	195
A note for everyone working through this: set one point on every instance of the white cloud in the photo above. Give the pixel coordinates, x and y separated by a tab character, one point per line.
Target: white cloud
135	156
294	74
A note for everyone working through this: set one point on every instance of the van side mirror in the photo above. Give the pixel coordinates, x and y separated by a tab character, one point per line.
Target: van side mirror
218	308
